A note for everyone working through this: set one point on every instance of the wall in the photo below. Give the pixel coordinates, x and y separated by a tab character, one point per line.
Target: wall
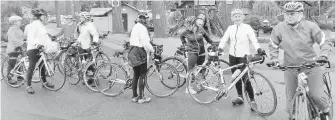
132	15
101	23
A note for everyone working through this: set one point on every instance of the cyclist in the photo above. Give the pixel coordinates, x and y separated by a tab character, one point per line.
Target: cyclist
140	46
240	35
68	28
15	40
193	40
86	32
296	37
37	36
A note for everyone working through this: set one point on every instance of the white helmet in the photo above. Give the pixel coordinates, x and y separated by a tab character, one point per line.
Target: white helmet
86	15
265	21
14	18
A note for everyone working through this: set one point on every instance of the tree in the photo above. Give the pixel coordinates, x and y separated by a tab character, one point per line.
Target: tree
267	9
117	20
159	18
57	13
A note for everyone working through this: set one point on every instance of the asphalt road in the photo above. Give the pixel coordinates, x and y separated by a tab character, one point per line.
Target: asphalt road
79	103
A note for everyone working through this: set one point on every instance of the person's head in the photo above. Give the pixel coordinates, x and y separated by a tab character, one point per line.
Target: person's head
193	24
85	16
15	20
293	12
237	16
142	19
40	14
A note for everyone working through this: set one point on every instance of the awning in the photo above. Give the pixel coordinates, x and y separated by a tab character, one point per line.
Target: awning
100	11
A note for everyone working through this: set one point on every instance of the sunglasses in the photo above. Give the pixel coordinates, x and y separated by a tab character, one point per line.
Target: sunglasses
291	13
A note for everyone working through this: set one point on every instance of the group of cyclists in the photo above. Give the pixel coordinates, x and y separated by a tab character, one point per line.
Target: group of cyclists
295	36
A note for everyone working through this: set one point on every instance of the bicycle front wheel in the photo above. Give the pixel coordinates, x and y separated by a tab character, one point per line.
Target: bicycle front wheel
52	75
264	94
15	80
204	84
181	67
155	77
71	69
300	108
112	79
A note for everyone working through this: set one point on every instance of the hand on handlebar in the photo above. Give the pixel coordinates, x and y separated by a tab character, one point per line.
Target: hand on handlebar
273	63
322	59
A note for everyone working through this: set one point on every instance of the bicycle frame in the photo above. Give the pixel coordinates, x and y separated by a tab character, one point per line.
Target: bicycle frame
15	70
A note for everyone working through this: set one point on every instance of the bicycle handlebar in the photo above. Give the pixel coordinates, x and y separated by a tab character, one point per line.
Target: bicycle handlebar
304	65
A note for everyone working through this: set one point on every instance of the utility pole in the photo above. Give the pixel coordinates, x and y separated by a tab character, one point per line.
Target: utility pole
57	13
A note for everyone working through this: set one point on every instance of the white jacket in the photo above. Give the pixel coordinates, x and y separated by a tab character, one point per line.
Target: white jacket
36	35
86	30
240	37
140	37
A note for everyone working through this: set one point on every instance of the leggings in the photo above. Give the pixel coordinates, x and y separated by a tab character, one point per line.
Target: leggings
194	59
139	78
237	60
33	58
12	61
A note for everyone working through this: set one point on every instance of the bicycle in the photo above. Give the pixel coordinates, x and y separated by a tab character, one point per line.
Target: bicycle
21	51
44	61
179	60
75	64
114	71
216	81
303	107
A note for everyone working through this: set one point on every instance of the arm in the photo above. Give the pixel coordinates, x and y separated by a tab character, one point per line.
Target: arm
206	36
224	39
94	32
183	38
274	44
31	35
252	37
145	39
323	40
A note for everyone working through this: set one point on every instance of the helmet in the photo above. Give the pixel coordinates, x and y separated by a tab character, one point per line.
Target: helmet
265	21
38	12
236	11
294	7
14	18
143	15
86	15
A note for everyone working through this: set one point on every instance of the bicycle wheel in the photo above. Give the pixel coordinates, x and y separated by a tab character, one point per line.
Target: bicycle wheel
113	79
181	67
60	61
328	90
223	63
72	67
264	94
102	57
300	107
207	87
4	71
52	75
3	58
154	81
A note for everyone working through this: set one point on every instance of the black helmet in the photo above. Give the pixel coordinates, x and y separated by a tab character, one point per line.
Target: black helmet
38	12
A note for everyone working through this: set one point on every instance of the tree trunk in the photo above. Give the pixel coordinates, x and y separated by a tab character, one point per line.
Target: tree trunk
159	18
117	20
57	13
68	5
77	10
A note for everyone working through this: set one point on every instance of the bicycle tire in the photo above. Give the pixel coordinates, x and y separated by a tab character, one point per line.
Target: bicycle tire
328	84
110	84
150	88
94	63
70	64
60	61
4	73
297	104
200	87
52	65
3	58
261	92
182	73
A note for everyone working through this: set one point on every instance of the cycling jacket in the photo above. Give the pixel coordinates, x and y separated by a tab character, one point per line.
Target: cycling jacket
194	41
240	37
297	42
86	32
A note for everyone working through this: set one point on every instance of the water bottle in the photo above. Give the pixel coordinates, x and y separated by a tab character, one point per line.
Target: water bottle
236	73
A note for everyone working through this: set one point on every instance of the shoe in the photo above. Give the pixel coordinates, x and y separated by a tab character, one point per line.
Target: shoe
30	90
238	101
191	91
144	100
325	116
135	99
49	85
253	105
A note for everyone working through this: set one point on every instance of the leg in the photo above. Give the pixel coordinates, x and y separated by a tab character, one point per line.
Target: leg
291	84
142	84
318	94
33	58
234	61
11	64
137	72
192	61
